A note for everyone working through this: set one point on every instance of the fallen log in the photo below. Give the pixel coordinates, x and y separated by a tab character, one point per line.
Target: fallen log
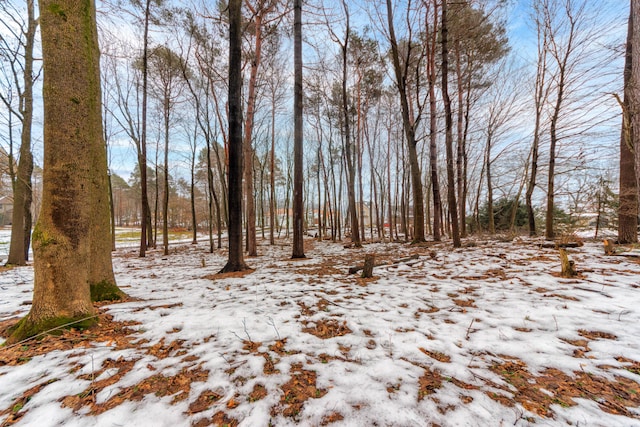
558	245
357	268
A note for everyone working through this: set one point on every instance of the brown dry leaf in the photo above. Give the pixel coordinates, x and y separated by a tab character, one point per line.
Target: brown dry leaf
429	382
440	357
206	399
232	403
594	335
327	328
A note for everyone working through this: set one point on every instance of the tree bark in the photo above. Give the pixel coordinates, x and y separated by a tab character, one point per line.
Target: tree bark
165	180
348	145
562	59
250	208
628	208
192	193
236	259
460	142
433	135
73	147
369	263
492	224
409	129
634	94
272	176
568	266
451	190
540	97
22	191
298	242
145	217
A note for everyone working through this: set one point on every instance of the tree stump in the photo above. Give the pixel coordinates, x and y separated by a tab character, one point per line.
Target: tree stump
369	263
609	249
568	266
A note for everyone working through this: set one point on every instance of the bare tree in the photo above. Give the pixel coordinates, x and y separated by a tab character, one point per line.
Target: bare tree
541	94
410	124
20	61
431	66
628	209
167	70
236	258
451	190
298	242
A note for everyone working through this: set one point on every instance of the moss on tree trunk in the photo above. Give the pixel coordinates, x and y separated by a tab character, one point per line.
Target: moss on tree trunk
71	240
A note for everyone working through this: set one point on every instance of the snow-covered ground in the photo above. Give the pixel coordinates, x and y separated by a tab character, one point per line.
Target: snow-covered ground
487	335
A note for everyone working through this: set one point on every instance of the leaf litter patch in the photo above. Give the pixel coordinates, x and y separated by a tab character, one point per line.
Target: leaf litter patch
300	388
326	328
538	393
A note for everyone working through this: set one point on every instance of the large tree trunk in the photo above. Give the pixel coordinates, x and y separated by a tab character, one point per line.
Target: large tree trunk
298	243
628	209
72	186
236	259
22	191
634	94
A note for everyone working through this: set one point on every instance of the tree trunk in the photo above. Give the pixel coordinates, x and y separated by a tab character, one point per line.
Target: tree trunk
492	224
369	263
236	259
433	136
22	191
634	86
272	176
359	157
112	211
451	190
250	208
409	129
568	266
562	59
628	209
460	142
540	97
165	170
145	217
192	194
298	242
72	188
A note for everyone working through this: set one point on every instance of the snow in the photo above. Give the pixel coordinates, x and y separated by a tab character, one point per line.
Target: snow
476	305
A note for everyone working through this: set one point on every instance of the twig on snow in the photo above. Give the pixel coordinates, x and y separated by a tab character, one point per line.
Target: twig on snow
273	324
469	329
